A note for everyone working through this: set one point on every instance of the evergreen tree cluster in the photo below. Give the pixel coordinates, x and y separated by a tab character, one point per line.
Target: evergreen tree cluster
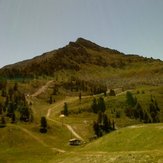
98	105
103	123
92	87
135	110
14	104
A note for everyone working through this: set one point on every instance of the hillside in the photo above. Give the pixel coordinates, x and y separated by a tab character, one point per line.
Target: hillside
140	143
130	139
82	75
89	61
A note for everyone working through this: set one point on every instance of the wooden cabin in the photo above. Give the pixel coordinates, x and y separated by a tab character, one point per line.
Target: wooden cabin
74	141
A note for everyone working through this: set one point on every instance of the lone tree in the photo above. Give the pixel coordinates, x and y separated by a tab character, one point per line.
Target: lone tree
112	93
65	111
50	100
13	118
80	96
15	88
43	128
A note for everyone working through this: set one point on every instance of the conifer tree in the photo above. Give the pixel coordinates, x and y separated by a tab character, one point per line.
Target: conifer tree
94	106
43	122
130	99
80	96
65	111
50	100
106	123
101	105
2	121
97	129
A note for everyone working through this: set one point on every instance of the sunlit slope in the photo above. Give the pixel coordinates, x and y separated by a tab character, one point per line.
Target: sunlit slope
134	138
18	146
139	143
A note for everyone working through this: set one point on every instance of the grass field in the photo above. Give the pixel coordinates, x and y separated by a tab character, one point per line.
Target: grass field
18	146
139	143
132	142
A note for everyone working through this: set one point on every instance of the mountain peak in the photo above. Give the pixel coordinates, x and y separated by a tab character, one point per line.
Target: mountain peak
87	43
80	39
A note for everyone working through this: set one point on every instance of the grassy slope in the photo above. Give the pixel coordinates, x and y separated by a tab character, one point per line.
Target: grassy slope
133	138
140	143
58	136
17	146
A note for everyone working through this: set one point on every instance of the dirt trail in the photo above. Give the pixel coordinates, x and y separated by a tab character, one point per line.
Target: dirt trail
56	110
42	89
74	132
56	107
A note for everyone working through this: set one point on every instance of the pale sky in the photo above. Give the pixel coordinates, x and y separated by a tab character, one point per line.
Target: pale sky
31	27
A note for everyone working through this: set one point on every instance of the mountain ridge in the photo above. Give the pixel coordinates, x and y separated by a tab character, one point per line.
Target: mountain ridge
71	57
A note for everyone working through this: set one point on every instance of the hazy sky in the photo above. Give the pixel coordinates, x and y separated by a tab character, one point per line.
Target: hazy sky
30	27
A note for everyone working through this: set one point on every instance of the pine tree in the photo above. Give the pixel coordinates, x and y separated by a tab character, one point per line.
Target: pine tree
80	96
138	112
106	123
112	93
43	122
97	129
65	111
2	122
15	87
113	125
154	110
100	117
10	109
101	105
13	118
131	101
24	113
94	106
50	100
1	108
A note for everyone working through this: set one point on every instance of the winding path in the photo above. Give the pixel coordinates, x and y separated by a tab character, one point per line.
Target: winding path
42	89
56	108
74	132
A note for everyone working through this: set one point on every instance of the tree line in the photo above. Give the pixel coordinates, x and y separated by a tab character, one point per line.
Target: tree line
13	104
135	110
90	86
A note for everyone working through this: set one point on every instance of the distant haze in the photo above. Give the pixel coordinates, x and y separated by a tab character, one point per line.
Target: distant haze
31	27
